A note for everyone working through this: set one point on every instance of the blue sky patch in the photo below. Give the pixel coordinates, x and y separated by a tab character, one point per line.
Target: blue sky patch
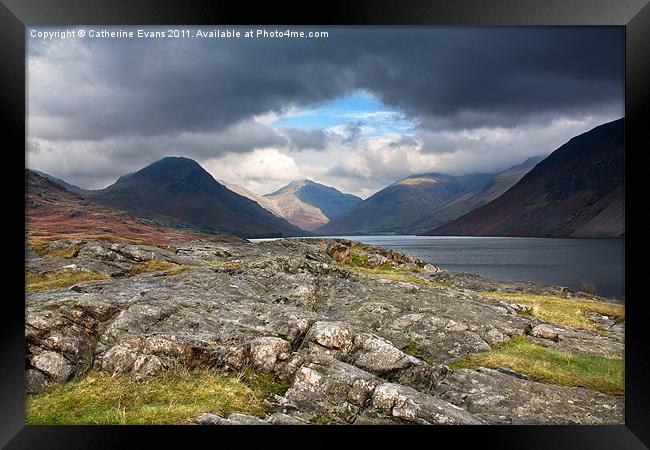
355	108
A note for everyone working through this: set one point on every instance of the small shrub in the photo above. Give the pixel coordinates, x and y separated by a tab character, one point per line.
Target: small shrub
526	312
320	420
411	348
358	260
588	287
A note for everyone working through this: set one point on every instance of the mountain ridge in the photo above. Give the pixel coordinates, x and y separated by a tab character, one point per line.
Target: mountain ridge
418	202
577	191
178	192
53	212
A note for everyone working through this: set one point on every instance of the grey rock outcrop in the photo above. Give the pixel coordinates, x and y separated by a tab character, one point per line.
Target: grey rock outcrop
354	348
35	381
502	398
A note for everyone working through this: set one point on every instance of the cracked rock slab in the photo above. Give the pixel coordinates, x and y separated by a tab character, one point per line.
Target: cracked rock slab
508	398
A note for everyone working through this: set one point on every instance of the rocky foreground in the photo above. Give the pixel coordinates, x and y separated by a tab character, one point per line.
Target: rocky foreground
343	339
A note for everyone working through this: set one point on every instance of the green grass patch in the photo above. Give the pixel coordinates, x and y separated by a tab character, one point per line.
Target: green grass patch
561	310
395	274
551	366
36	281
42	249
413	349
358	260
320	420
264	383
526	313
155	265
174	397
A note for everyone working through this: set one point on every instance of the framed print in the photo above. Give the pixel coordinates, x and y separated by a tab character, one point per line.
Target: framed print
285	218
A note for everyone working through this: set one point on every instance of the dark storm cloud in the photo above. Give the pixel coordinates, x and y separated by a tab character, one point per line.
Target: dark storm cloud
306	139
444	77
479	98
503	77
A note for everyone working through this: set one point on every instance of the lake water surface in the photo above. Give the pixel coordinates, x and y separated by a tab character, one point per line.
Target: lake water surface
562	262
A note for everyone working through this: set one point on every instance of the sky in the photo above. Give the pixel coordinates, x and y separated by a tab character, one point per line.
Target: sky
356	110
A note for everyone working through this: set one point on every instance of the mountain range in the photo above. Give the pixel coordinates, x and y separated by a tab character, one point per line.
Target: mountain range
177	192
577	191
417	203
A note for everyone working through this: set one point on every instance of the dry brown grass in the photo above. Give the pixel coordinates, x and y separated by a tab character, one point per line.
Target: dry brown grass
155	265
42	249
588	287
36	281
395	275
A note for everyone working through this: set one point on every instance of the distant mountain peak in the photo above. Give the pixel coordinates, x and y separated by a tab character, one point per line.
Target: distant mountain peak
309	204
293	186
59	182
176	159
176	162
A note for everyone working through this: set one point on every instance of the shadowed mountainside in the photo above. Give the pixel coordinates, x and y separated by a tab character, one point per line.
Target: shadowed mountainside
577	191
178	192
417	203
55	213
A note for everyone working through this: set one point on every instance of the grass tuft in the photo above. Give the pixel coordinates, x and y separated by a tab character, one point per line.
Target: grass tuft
155	265
526	313
174	397
413	349
262	382
320	420
395	274
560	310
358	260
42	249
551	366
36	281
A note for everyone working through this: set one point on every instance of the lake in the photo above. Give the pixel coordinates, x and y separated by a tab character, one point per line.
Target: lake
562	262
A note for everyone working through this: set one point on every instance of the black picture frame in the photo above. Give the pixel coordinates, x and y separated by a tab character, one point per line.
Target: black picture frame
633	15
